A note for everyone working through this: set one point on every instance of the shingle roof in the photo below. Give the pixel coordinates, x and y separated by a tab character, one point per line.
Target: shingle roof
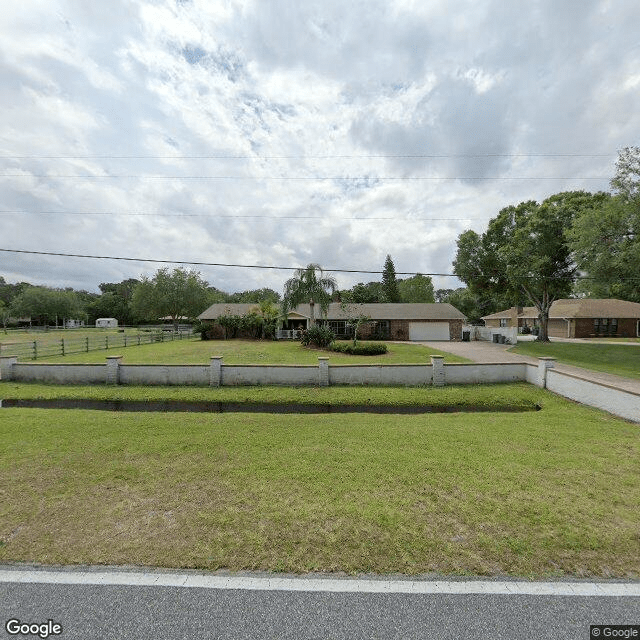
579	308
380	311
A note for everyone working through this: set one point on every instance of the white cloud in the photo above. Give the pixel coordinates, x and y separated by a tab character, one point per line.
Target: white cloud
272	108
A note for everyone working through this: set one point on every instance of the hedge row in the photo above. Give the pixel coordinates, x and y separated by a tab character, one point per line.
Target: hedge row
360	349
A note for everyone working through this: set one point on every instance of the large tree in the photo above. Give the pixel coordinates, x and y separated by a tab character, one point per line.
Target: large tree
174	294
390	290
605	238
524	253
418	288
47	304
308	285
362	293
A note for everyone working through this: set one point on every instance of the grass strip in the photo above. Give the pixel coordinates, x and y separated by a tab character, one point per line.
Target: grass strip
617	359
499	396
536	494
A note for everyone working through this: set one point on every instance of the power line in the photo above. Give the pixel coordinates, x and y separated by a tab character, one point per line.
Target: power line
209	264
216	215
317	157
296	178
251	266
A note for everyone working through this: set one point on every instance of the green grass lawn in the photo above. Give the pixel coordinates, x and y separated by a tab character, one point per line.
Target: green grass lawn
195	351
547	493
496	397
611	358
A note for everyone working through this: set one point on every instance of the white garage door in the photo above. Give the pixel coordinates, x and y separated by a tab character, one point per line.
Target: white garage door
428	331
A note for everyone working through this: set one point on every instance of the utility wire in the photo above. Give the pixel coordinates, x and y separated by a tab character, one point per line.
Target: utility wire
209	264
216	215
245	266
318	157
298	178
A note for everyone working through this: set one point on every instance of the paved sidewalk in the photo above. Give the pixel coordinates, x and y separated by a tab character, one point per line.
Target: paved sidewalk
483	351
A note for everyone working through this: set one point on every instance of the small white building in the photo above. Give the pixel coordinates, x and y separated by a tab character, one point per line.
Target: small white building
106	323
73	323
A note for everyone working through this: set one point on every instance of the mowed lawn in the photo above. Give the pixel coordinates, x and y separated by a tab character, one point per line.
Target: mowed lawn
196	351
539	493
619	359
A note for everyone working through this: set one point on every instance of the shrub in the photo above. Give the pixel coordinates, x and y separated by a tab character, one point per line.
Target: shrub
360	349
318	335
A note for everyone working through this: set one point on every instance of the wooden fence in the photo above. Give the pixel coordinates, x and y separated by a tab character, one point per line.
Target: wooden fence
37	349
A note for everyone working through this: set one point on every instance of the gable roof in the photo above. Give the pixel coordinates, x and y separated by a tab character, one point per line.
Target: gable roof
337	311
578	308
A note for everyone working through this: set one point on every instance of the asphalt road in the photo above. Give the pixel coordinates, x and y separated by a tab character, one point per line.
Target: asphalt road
125	611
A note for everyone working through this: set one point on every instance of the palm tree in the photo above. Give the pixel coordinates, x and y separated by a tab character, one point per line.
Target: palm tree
309	285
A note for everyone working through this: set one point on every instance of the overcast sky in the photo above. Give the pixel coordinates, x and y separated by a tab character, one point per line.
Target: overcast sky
284	132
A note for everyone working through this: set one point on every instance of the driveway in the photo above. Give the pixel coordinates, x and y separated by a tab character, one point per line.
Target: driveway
484	351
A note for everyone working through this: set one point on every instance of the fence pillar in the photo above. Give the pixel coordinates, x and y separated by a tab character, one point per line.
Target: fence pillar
6	367
113	369
545	363
437	363
323	372
215	371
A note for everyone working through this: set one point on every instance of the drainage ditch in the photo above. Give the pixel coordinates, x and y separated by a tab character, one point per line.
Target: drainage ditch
257	407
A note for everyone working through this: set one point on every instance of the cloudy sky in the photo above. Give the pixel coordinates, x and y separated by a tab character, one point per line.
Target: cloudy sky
284	132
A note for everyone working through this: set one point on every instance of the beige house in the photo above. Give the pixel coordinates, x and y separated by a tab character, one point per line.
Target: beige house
576	318
388	321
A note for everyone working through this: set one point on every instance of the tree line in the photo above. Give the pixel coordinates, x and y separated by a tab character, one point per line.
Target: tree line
573	243
168	294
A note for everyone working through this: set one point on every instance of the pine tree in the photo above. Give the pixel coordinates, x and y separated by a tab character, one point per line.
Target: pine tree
390	289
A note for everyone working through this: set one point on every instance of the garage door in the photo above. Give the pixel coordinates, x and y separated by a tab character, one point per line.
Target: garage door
428	331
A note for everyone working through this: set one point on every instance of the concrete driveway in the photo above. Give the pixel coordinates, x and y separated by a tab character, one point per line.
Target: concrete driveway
483	351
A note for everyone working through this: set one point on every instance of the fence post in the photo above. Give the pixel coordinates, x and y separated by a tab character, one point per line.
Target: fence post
545	363
215	371
138	339
106	342
113	369
323	372
35	350
62	343
437	363
6	367
87	343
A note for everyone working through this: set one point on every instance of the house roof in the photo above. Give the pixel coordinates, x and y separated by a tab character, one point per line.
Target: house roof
338	311
579	308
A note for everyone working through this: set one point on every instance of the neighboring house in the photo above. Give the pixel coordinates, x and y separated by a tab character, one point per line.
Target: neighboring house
106	323
72	323
388	321
579	318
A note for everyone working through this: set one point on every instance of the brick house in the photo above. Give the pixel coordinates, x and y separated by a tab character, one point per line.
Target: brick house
388	321
576	318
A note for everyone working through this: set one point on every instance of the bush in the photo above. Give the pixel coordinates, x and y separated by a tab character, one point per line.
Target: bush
317	335
360	349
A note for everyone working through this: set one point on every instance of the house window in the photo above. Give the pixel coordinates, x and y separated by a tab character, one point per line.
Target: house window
341	328
381	330
503	322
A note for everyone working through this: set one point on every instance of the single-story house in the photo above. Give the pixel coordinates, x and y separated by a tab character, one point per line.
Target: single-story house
388	321
576	318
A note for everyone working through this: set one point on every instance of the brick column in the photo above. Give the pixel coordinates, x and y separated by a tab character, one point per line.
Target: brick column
6	367
113	369
437	362
544	365
215	371
323	372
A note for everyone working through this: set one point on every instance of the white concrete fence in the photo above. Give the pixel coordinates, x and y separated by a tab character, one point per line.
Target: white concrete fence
616	401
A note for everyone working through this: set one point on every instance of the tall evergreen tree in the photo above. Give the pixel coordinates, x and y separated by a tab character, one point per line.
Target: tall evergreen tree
390	289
